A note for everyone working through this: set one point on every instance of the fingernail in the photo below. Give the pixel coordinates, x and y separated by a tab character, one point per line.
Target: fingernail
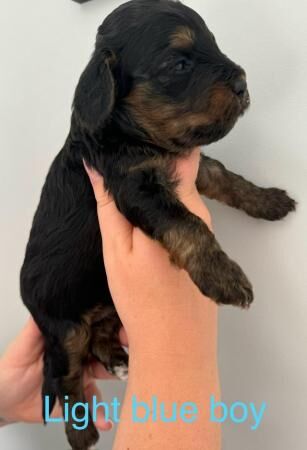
108	425
92	173
87	168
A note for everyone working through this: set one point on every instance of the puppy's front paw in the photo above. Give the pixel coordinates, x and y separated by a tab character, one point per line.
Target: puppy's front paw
221	279
194	248
279	204
271	204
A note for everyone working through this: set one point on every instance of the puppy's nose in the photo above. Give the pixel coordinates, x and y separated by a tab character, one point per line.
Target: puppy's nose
239	86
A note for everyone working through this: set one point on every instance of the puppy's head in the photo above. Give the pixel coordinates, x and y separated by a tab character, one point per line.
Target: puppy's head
158	73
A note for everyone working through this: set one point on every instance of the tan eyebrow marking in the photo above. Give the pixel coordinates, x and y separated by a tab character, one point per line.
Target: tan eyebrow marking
182	37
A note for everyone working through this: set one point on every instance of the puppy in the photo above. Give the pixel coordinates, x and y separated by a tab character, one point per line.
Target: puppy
157	85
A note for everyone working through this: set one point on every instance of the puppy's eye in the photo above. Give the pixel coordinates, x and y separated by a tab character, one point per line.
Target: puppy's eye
183	65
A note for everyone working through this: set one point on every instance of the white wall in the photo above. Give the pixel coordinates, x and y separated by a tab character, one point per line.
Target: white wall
44	45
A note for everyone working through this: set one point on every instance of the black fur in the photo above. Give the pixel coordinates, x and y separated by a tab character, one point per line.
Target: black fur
157	85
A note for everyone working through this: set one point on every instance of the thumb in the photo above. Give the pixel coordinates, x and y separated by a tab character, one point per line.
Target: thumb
114	227
27	347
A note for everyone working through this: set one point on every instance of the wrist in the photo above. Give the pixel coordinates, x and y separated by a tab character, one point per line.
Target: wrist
180	335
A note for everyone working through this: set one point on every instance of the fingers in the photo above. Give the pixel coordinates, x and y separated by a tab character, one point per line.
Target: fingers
101	422
123	338
114	227
186	170
94	371
196	205
27	347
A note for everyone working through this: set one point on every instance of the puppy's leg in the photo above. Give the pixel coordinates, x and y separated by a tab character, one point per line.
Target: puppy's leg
216	182
71	391
148	199
105	345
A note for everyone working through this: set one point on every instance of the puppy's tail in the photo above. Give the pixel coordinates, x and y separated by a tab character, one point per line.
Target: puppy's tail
50	387
55	368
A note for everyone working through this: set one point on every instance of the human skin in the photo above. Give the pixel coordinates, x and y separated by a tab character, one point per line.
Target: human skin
21	376
171	327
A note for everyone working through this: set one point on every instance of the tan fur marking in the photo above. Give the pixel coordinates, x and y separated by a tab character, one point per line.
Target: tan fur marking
163	120
78	341
154	163
181	244
183	37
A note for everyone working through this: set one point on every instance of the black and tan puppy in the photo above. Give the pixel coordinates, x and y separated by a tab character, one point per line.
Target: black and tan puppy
157	85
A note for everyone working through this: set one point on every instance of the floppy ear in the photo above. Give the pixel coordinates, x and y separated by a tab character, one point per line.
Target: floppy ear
94	96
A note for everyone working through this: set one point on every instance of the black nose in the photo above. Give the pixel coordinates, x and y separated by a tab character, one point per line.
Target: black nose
239	86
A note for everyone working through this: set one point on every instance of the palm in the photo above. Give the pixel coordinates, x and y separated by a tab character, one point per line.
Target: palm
21	377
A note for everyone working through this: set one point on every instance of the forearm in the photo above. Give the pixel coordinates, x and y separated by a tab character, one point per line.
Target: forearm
177	366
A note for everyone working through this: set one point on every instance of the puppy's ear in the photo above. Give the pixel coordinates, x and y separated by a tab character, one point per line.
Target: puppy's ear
94	96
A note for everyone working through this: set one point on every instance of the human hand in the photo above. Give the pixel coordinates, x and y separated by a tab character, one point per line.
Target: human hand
146	288
171	326
21	376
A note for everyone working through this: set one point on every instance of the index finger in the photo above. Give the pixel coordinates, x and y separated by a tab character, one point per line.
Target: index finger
114	227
